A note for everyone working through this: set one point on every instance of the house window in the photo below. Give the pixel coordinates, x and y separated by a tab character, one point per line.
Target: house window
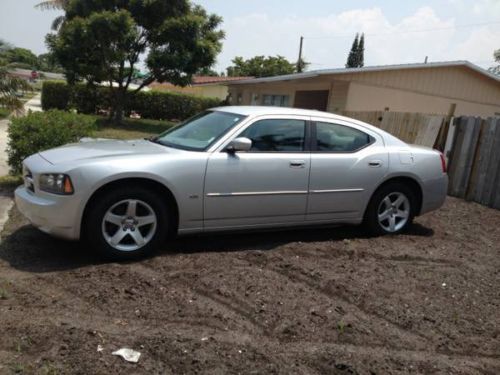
275	100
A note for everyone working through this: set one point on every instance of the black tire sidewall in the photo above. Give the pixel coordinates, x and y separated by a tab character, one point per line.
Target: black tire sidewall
93	224
371	216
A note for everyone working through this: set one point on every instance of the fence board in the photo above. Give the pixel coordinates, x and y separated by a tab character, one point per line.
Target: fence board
415	128
429	131
463	155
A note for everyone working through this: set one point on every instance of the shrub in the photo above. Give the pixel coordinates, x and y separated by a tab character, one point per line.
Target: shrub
169	105
55	95
150	105
40	131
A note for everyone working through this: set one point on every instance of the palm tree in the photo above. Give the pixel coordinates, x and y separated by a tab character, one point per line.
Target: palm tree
54	5
9	87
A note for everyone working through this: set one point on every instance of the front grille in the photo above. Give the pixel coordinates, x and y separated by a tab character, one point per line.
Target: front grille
28	180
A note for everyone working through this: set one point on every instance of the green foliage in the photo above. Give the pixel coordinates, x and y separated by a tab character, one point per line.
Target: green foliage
55	95
19	55
356	58
169	105
46	62
152	105
40	131
261	66
101	41
9	87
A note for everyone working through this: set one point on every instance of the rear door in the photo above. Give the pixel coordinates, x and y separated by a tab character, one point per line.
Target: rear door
264	186
347	164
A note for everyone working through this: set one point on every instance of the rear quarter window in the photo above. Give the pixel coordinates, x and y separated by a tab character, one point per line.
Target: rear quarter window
340	138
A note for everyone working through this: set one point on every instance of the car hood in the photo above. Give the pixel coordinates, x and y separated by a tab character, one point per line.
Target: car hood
96	149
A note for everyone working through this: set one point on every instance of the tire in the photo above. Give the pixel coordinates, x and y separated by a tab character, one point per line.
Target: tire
397	213
120	229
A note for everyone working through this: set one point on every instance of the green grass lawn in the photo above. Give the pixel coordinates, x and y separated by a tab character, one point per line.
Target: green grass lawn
4	113
130	129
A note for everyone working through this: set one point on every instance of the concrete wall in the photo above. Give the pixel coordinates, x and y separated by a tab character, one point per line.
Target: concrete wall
425	90
363	97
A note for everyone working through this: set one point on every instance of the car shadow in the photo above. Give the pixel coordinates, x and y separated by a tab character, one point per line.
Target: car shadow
29	250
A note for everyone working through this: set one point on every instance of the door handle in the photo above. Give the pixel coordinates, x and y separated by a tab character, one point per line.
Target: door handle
375	163
297	164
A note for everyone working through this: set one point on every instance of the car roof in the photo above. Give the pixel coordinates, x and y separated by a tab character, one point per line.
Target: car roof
263	110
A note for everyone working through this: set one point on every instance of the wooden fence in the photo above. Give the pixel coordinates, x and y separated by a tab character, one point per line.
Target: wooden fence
474	160
414	128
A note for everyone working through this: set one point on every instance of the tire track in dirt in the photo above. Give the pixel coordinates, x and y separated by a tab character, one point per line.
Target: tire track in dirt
367	316
360	313
234	306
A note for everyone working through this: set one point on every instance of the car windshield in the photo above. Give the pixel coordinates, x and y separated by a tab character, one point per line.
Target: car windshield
199	132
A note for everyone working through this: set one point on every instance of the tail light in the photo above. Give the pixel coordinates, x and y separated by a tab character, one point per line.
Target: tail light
443	162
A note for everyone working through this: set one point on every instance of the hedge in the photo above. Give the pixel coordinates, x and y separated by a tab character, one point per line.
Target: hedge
55	95
40	131
152	105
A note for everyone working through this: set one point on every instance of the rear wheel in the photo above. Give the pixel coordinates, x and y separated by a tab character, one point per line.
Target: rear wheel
127	224
391	209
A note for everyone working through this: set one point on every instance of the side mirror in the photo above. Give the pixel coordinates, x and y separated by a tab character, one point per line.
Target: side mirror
239	144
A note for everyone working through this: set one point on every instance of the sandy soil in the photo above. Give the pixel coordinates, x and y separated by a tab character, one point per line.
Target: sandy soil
320	301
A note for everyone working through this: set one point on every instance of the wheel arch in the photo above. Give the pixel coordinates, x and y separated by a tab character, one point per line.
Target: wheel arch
409	181
154	185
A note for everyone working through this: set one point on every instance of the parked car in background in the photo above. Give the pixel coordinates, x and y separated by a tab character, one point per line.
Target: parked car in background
231	168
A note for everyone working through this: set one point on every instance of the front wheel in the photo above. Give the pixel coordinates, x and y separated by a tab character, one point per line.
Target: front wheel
127	224
391	209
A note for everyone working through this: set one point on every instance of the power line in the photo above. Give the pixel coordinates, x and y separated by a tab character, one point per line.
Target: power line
409	31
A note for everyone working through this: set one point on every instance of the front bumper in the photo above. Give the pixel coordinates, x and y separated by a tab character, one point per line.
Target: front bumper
50	213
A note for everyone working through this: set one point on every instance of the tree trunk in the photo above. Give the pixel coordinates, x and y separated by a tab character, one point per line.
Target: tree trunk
119	106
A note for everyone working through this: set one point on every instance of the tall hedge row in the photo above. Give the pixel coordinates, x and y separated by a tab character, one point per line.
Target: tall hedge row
152	104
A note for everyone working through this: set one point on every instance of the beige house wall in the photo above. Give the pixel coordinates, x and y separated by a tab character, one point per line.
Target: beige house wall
371	98
253	94
451	82
425	90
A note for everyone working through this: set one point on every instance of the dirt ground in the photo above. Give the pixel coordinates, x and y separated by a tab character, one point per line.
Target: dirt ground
317	301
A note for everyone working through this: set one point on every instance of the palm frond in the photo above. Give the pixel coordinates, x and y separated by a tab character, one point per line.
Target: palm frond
10	86
51	4
57	23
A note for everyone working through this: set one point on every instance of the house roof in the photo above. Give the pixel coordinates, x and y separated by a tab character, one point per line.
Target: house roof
318	73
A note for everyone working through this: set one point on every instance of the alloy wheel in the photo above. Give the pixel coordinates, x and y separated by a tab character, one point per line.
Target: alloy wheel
129	225
394	212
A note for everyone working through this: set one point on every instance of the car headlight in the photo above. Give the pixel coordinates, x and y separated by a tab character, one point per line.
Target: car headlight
56	183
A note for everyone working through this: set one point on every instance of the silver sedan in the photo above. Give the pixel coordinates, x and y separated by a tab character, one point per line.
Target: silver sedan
230	168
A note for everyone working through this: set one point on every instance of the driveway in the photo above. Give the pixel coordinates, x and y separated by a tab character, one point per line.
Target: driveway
299	302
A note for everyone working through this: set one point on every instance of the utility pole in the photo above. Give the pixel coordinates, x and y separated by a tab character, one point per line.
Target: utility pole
299	63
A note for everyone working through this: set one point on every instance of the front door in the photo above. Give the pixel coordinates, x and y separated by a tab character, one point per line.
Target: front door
267	185
348	162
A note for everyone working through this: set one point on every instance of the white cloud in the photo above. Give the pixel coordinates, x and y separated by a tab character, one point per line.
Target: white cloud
329	37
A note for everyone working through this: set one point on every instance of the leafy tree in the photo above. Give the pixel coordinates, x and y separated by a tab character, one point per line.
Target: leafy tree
4	46
496	69
101	41
19	55
9	88
261	66
209	72
46	62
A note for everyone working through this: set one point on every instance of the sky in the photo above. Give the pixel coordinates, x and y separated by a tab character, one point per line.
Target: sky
396	31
